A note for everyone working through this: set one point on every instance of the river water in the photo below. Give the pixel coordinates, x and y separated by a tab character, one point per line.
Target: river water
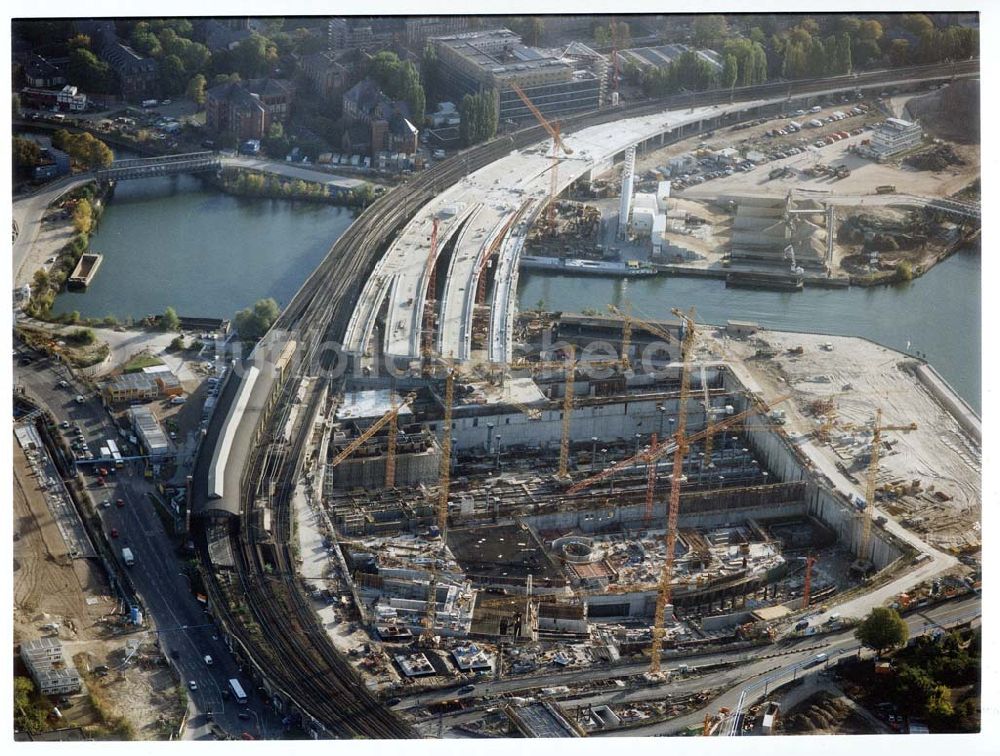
939	313
170	242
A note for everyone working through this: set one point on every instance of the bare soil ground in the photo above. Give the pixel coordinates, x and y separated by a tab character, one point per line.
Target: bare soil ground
825	714
49	587
859	376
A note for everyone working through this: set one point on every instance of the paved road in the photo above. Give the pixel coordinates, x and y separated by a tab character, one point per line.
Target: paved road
28	212
750	666
176	617
835	645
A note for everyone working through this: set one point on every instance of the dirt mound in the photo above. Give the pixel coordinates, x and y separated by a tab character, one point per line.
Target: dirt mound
951	112
935	159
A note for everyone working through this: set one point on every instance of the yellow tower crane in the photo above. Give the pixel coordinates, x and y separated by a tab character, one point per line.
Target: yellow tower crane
872	484
567	412
388	417
444	482
557	146
680	450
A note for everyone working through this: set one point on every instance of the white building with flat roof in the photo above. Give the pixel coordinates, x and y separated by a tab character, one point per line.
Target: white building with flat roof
895	135
48	667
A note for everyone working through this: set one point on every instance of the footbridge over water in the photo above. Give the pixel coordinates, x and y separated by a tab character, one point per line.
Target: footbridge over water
166	165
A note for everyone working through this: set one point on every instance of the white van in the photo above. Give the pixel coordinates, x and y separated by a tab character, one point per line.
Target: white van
208	660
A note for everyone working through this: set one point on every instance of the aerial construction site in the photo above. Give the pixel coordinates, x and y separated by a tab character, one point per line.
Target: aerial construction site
491	515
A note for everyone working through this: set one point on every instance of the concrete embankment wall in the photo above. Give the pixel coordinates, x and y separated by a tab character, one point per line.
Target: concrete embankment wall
779	455
956	406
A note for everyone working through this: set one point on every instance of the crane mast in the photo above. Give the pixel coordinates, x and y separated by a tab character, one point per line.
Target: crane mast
872	481
567	411
680	451
444	480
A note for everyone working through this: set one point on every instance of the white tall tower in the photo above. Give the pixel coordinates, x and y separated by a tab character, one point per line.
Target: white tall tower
625	206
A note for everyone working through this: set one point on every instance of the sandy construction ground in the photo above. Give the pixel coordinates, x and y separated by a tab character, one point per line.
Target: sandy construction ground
860	376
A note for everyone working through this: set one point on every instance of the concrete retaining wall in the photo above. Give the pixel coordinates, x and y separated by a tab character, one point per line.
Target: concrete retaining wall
956	406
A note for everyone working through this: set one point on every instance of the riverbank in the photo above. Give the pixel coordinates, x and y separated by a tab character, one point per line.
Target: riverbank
68	226
247	182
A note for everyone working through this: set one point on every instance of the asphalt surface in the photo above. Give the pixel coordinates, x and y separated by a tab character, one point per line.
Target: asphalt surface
748	667
177	618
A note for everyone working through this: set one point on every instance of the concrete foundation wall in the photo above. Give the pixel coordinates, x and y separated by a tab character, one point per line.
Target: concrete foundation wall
633	517
846	520
609	422
369	472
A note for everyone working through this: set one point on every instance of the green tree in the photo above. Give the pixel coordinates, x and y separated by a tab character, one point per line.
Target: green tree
917	24
899	52
730	70
172	75
196	89
83	217
176	344
429	72
29	716
882	630
26	155
254	56
78	41
709	30
40	281
88	72
169	321
252	323
535	30
870	30
82	336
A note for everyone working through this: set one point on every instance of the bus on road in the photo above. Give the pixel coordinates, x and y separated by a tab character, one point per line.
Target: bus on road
238	693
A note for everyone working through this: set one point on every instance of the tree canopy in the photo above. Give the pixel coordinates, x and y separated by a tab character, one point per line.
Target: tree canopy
26	155
882	629
84	148
479	117
401	81
252	323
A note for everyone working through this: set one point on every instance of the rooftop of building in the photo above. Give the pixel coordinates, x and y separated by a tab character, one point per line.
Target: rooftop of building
133	381
511	58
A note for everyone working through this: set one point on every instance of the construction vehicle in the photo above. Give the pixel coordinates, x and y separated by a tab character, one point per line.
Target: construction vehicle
885	189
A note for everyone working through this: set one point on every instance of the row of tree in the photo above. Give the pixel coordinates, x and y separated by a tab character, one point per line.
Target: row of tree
84	148
479	117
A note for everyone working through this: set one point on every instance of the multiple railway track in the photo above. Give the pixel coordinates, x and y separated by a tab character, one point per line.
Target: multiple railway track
285	642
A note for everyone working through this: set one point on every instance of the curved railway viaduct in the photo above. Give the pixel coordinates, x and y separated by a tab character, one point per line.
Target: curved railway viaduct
251	456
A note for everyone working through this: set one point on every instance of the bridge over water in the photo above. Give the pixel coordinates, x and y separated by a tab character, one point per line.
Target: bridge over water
166	165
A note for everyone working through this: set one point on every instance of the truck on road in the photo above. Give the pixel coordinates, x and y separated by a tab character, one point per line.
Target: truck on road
127	557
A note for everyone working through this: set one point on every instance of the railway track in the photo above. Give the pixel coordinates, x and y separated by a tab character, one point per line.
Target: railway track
293	650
